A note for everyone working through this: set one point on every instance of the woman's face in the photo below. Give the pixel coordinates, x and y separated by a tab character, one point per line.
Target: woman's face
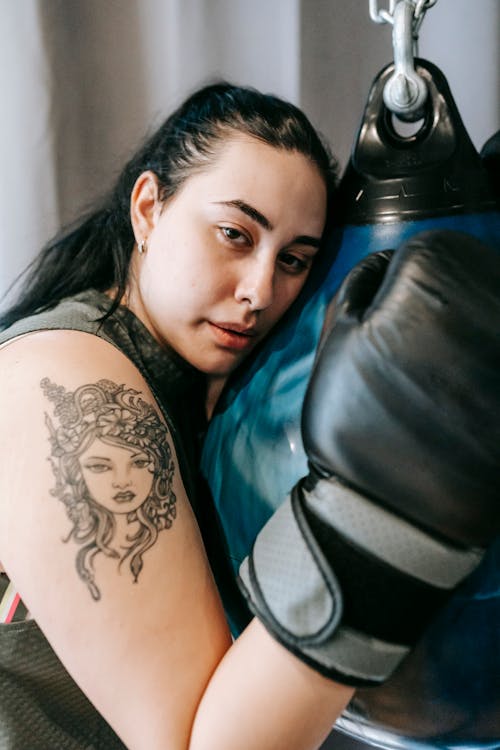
119	479
228	254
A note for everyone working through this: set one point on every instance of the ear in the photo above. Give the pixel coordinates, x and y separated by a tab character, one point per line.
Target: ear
145	205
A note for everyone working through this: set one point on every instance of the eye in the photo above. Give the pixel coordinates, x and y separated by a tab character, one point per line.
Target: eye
140	463
97	468
234	236
295	264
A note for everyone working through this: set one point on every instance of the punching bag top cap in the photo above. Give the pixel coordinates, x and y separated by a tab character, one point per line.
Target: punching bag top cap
435	171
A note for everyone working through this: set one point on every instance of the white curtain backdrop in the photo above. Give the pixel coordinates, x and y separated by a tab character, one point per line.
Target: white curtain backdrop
28	191
82	81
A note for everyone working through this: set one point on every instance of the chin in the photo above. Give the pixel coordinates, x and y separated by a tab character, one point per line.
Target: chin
218	371
219	368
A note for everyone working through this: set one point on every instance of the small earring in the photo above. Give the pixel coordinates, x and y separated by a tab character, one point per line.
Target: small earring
142	247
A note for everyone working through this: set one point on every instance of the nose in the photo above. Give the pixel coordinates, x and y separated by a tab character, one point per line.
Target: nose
256	282
121	479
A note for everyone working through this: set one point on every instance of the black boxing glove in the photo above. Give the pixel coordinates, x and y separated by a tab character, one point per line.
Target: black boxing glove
401	426
490	156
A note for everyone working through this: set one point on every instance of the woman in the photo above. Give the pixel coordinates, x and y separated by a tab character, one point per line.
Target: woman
203	245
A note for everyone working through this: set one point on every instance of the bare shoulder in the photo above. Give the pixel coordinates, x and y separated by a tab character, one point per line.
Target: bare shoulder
91	498
79	407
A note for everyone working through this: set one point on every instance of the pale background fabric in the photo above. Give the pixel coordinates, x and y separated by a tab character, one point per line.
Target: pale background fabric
83	81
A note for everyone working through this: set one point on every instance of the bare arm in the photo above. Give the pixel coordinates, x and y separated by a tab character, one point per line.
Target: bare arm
132	609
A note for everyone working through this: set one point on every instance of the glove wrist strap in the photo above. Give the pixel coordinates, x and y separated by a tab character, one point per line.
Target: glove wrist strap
293	589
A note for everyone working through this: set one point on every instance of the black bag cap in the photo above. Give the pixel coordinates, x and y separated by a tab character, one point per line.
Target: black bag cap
435	171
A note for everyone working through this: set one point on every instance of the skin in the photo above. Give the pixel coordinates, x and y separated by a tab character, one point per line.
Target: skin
118	479
228	254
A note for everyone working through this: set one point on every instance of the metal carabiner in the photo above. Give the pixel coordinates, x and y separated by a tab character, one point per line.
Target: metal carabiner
405	92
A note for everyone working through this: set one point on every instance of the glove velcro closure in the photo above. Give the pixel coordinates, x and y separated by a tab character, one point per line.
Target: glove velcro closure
291	580
297	583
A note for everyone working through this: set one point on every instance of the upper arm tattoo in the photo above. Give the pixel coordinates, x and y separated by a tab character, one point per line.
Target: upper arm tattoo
113	467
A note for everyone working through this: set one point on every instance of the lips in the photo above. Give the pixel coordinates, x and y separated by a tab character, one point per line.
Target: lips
233	335
124	497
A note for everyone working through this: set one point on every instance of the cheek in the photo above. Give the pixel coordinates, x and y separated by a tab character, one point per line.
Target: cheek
97	484
143	480
287	291
181	282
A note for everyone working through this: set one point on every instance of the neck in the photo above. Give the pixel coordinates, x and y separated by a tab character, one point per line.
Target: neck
215	384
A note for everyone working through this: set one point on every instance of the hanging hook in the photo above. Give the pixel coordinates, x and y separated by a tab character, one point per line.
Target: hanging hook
405	92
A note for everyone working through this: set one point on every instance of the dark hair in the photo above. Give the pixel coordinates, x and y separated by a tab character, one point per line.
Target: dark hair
95	252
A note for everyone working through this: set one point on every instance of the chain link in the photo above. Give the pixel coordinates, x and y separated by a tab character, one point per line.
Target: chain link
382	15
421	6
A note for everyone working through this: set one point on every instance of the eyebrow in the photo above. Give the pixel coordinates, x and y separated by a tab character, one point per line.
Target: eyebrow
249	211
253	213
106	458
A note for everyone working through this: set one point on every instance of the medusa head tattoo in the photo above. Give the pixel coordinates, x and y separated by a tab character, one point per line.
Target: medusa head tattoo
113	467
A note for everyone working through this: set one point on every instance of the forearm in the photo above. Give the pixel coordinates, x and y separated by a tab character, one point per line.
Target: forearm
261	697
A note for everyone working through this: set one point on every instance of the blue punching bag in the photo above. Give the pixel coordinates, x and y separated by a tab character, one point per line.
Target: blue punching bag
447	693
